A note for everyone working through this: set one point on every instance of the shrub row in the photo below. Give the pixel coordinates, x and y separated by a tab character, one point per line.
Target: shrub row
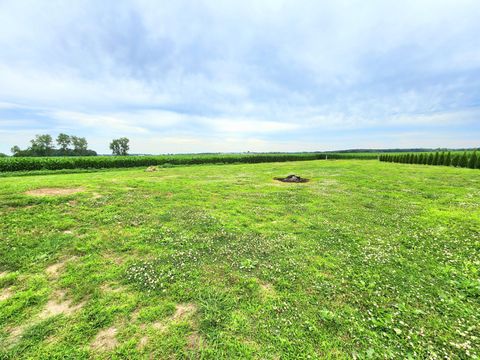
465	160
101	162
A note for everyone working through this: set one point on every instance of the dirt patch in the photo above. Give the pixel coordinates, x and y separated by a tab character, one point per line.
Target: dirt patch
58	305
53	191
183	311
194	341
14	334
151	169
160	326
105	340
267	290
292	179
54	270
142	343
5	294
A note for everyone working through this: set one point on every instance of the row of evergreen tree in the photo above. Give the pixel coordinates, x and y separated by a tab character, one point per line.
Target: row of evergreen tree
464	160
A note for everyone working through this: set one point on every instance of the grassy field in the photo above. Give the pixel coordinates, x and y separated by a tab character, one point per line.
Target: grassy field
367	260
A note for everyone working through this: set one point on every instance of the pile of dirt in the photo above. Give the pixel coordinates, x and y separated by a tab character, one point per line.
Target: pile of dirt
292	179
151	169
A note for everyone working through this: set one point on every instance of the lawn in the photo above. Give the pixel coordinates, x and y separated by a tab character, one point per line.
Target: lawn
367	260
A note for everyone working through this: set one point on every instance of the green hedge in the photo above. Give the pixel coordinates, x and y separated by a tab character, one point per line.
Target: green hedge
466	159
102	162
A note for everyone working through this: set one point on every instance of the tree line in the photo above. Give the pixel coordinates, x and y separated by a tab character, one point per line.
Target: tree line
464	160
67	145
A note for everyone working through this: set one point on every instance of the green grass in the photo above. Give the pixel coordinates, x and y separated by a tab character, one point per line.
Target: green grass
368	259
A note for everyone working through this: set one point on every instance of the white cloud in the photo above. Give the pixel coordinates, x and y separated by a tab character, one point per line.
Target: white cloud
274	72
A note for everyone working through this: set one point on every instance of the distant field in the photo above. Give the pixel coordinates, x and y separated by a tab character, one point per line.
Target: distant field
10	164
368	260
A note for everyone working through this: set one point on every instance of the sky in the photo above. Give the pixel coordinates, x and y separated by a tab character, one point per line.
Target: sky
250	75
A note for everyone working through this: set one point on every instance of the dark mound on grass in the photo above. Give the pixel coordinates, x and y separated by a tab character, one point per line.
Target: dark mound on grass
292	179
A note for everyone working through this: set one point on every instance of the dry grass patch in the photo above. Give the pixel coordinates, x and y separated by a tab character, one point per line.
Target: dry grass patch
142	343
159	326
96	195
54	191
105	340
267	290
194	341
183	311
5	294
59	305
54	270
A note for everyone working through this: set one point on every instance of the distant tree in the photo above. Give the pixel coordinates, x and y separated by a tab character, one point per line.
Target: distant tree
42	145
79	143
448	159
441	159
3	155
435	158
15	150
478	163
463	161
64	141
472	162
120	146
455	160
430	159
420	159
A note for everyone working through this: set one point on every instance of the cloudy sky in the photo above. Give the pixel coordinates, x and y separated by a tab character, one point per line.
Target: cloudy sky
250	75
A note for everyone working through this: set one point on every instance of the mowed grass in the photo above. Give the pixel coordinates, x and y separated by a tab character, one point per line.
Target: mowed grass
367	260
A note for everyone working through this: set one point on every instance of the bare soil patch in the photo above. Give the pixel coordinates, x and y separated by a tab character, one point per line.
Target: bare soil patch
5	294
53	191
194	341
54	270
267	290
183	311
142	343
58	305
160	326
105	340
292	179
151	169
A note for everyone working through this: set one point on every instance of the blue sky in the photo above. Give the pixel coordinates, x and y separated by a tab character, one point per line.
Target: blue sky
199	76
